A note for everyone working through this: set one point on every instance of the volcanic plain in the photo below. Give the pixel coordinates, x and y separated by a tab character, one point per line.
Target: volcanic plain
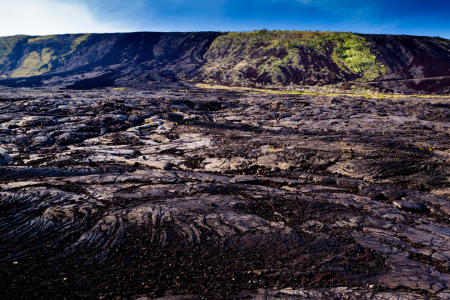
214	194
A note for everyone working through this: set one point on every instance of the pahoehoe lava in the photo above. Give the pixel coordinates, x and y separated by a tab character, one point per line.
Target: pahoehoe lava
142	194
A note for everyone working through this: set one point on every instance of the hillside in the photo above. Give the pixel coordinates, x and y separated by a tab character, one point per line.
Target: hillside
80	61
258	58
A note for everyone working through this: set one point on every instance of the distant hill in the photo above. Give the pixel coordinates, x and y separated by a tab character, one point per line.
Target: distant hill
259	58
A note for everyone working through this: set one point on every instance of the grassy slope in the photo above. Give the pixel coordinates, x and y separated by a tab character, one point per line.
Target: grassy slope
76	42
268	52
39	53
7	44
35	64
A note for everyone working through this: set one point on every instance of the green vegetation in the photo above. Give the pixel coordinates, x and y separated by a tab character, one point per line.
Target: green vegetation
38	53
39	56
74	45
277	53
40	38
353	51
313	39
7	44
443	43
328	90
35	64
76	42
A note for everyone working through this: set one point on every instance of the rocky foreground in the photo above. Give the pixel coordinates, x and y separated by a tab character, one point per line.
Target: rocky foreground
214	195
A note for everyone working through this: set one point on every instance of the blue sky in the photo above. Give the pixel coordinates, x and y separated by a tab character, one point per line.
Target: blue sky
38	17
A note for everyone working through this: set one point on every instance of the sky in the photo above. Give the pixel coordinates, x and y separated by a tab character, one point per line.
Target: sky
43	17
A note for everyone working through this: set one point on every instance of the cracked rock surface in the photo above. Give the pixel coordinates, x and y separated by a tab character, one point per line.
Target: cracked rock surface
214	195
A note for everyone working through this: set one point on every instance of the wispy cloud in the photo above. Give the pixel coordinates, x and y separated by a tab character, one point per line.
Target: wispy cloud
40	17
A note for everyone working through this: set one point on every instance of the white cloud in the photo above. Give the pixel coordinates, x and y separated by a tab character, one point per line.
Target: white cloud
41	17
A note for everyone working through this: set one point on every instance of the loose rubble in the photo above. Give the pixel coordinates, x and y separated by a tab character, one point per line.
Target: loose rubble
223	195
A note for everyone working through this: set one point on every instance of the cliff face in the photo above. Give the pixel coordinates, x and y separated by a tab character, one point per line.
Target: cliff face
264	58
283	57
101	60
412	57
259	58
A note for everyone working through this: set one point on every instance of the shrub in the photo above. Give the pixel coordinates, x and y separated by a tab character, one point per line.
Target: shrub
355	54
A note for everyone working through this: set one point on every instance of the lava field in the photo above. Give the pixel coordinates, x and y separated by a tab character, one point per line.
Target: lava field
223	195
